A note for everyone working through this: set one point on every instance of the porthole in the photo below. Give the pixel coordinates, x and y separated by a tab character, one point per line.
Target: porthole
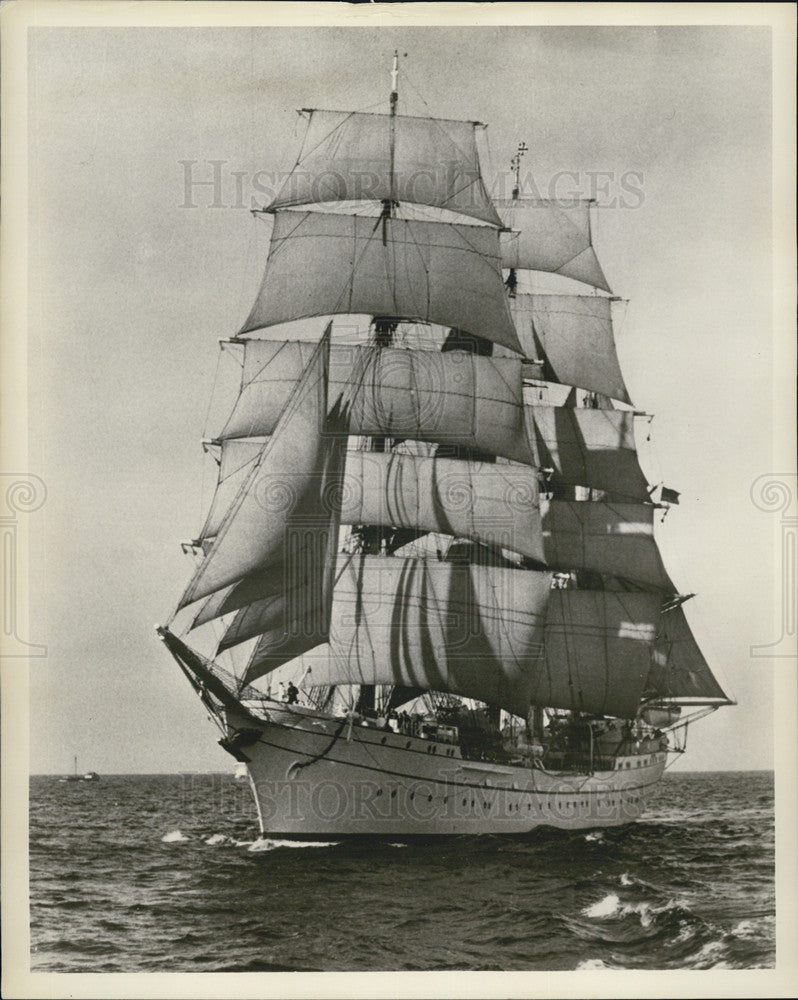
407	745
379	792
393	794
429	798
383	740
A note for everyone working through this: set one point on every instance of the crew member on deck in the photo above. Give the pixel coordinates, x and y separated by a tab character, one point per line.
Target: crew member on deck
293	693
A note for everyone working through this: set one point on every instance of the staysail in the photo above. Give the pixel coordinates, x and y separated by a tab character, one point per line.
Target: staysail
346	156
321	264
679	670
550	235
281	517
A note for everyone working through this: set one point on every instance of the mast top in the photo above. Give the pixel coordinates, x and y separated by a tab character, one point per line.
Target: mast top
395	81
515	163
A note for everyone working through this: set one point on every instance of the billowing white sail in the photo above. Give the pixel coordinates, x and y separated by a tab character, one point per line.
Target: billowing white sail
323	264
678	667
447	397
573	335
496	505
585	447
475	631
612	538
548	235
255	586
493	504
598	651
235	464
346	156
283	496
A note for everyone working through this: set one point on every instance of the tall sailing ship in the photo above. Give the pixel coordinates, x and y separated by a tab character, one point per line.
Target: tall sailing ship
427	596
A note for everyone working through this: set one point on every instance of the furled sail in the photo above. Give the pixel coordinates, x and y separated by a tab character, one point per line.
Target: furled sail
573	336
447	397
346	156
612	538
284	496
473	630
598	651
585	447
321	264
554	236
678	668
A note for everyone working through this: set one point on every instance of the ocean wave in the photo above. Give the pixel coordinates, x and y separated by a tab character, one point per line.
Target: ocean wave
752	928
591	963
218	839
265	844
174	837
604	907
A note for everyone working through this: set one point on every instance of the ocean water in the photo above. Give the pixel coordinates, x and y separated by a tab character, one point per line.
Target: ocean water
145	873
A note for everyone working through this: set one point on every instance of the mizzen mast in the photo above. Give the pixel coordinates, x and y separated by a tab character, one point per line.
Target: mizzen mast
515	163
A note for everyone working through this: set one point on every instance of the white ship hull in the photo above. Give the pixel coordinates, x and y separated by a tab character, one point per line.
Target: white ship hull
316	777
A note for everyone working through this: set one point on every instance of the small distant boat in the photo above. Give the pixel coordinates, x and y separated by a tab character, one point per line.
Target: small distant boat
241	773
88	776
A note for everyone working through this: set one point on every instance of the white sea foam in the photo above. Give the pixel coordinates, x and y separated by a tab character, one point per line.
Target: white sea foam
611	906
397	845
752	928
709	951
604	907
643	910
216	839
175	836
591	963
626	879
264	844
595	835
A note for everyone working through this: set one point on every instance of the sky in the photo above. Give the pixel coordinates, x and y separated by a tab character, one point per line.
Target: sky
129	290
